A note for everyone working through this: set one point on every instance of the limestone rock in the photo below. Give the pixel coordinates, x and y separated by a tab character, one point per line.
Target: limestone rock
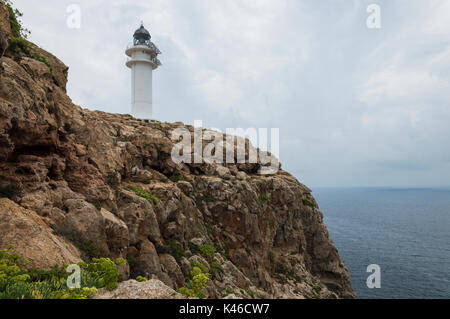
170	266
5	27
32	238
131	289
116	231
3	46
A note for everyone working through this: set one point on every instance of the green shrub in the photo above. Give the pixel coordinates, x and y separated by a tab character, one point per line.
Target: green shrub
186	292
152	199
175	249
18	282
271	256
18	45
207	250
40	58
104	271
199	280
120	262
209	230
250	292
97	205
265	198
209	199
131	261
177	178
141	279
17	29
215	268
308	203
199	265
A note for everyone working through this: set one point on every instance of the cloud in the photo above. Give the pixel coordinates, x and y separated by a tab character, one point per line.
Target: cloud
395	84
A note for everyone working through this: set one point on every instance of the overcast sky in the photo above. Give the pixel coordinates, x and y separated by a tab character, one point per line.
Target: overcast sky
355	106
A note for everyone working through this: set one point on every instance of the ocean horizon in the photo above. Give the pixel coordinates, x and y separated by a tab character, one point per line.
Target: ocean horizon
406	231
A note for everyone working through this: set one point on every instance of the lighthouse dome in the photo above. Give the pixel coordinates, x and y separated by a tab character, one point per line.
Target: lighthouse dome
142	35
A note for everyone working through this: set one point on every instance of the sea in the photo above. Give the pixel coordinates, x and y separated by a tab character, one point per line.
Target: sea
406	232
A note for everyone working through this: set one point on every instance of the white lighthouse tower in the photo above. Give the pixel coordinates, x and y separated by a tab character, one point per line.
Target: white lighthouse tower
142	61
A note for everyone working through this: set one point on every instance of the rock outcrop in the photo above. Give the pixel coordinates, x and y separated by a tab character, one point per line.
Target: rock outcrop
88	184
33	238
131	289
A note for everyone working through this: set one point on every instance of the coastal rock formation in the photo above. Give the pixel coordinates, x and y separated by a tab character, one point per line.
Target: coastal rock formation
89	184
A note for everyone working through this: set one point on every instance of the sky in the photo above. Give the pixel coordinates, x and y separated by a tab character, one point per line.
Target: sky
356	106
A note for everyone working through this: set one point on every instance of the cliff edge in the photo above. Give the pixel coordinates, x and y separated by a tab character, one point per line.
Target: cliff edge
83	184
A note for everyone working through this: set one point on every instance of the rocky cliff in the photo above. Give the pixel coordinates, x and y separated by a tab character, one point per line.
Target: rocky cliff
79	184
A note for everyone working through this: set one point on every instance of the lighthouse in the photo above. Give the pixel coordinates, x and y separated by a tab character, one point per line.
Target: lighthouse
142	60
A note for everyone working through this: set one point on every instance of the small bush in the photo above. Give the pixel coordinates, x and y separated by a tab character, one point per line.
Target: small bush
40	58
141	279
250	292
17	45
144	194
263	199
175	249
308	203
187	292
17	282
207	251
17	29
199	265
215	268
209	230
177	178
271	256
132	261
120	262
209	199
97	205
199	280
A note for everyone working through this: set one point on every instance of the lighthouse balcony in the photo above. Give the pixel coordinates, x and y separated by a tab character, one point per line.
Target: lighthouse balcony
154	62
151	48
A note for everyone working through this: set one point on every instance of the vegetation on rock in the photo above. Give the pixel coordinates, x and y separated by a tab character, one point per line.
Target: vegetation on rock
144	194
17	43
194	287
17	30
19	282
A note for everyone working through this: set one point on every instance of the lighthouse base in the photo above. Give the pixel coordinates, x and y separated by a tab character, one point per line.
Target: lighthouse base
142	110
